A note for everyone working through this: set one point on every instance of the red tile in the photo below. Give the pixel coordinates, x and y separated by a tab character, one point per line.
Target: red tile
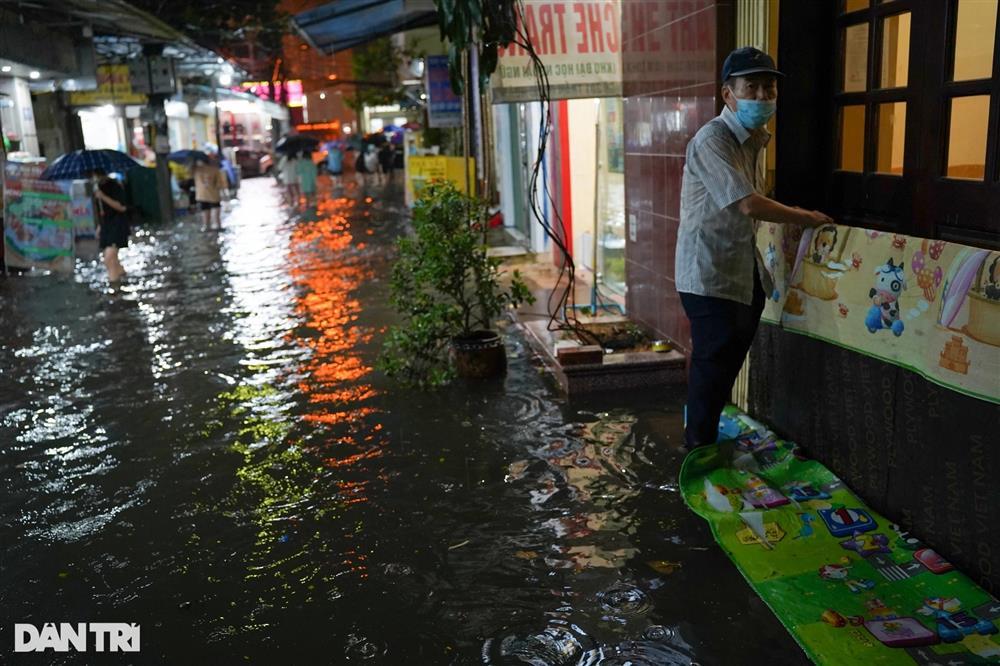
672	171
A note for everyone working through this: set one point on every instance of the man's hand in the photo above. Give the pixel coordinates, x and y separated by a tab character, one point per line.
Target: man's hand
760	207
814	218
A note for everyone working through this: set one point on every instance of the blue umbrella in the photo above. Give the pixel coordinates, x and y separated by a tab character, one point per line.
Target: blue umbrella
188	156
81	163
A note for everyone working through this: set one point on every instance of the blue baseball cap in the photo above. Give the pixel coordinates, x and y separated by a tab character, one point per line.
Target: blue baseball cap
747	60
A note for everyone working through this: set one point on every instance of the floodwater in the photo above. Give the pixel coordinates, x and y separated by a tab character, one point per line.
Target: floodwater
207	451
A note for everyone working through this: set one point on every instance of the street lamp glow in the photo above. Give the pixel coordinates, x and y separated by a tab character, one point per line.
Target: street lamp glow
322	95
34	74
423	96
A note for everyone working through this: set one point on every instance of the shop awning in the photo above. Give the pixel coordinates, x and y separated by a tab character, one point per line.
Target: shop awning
344	24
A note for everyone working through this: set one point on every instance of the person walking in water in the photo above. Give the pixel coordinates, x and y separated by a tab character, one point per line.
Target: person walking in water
113	225
335	164
209	182
386	162
371	163
288	167
307	175
719	274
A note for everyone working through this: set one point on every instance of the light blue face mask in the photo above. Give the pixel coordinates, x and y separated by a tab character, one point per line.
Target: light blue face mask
754	113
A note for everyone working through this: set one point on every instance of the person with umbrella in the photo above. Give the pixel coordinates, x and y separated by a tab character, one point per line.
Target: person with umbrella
112	221
109	196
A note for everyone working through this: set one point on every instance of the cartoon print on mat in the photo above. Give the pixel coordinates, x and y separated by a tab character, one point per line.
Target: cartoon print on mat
806	530
771	260
901	632
818	264
934	562
928	277
968	280
842	521
953	623
867	545
884	312
800	491
824	240
840	572
992	288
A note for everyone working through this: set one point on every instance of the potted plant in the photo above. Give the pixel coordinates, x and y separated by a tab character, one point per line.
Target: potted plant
449	293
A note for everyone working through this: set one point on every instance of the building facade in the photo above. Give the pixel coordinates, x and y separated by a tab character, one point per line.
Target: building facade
889	121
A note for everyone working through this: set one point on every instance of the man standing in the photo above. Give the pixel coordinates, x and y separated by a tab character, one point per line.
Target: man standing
719	274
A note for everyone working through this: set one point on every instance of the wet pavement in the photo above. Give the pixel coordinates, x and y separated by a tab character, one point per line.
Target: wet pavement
207	451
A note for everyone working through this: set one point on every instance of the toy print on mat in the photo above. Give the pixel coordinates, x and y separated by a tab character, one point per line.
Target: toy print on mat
884	312
851	586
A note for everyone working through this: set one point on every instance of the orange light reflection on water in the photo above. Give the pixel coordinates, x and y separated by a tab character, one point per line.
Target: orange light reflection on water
327	270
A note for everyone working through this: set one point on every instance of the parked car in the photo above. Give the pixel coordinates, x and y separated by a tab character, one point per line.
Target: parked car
254	162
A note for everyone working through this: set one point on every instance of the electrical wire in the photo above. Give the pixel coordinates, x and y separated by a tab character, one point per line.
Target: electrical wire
562	317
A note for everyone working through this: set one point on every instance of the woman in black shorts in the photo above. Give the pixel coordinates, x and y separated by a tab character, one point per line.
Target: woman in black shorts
113	229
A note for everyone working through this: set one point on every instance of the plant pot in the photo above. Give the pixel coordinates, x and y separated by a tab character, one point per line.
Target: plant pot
480	355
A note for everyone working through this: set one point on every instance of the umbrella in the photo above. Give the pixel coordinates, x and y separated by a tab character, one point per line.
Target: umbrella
187	156
392	128
81	163
295	143
412	126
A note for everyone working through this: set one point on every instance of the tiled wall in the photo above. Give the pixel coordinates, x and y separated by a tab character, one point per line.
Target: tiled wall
670	62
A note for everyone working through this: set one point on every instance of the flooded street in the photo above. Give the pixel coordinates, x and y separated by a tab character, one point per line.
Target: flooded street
208	452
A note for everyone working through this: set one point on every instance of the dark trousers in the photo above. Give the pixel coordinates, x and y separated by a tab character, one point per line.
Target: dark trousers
721	334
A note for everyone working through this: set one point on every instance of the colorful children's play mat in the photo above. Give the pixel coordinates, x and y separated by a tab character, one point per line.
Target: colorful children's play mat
927	305
850	586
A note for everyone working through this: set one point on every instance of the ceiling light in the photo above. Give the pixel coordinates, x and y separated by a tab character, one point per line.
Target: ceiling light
5	69
35	74
322	95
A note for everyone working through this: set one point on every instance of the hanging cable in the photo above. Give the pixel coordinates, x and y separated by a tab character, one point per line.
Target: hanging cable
561	315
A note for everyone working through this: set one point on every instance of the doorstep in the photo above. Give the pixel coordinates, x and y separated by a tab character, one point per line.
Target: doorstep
620	371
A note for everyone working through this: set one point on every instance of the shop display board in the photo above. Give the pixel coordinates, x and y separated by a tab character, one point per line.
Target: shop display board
38	224
422	169
928	305
81	208
848	584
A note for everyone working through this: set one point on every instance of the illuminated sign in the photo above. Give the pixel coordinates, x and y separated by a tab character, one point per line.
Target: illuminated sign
261	89
335	125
